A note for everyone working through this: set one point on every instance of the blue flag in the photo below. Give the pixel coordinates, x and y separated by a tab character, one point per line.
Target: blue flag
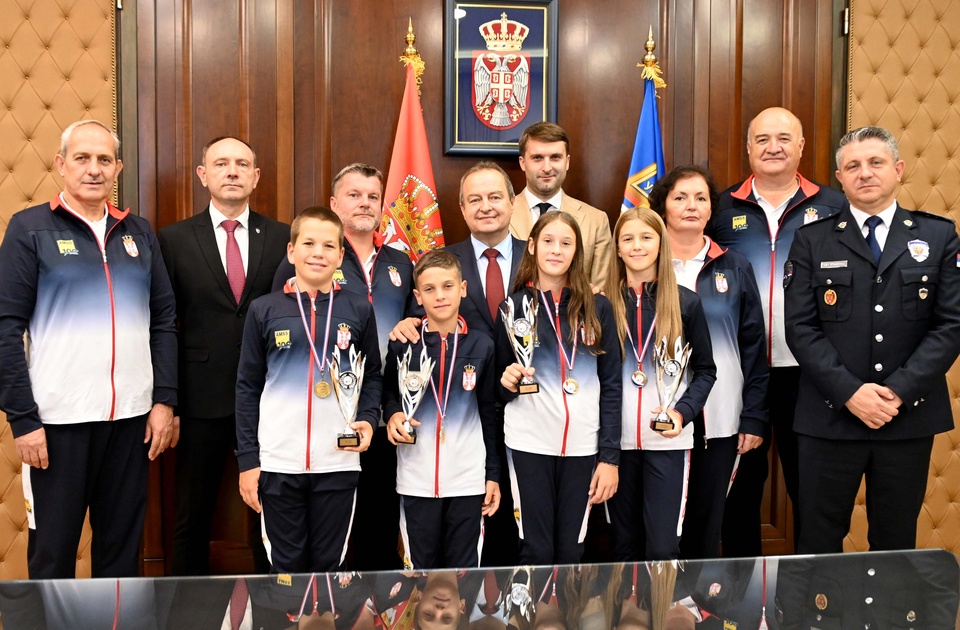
646	165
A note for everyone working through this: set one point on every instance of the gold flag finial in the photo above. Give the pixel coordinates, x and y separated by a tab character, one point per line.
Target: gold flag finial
650	59
651	69
411	55
411	38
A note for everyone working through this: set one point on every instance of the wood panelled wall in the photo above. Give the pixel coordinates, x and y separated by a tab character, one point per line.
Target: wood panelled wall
317	84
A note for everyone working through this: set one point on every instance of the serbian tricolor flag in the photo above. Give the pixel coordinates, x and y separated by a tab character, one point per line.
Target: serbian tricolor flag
411	216
646	165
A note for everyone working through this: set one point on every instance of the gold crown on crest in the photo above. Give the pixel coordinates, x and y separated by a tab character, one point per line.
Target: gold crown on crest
504	34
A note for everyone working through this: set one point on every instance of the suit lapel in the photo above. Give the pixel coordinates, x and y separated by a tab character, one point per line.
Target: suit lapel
471	273
897	238
521	222
519	247
207	242
852	237
254	251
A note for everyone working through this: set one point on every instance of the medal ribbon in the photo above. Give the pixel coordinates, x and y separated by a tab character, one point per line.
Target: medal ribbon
556	328
321	363
442	409
646	344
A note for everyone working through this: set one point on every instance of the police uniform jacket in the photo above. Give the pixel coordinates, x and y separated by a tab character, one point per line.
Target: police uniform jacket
850	321
913	589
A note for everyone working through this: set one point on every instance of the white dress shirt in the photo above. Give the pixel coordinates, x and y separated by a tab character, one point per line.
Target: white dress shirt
773	213
688	271
533	200
881	231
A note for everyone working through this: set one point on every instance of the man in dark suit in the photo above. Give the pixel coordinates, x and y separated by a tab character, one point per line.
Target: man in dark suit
489	259
873	317
219	261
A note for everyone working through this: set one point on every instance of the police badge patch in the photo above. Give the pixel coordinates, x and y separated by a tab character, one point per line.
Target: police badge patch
919	250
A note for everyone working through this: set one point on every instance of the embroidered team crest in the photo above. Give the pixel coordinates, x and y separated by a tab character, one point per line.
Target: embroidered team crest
338	276
714	589
282	339
721	282
469	377
344	579
919	250
394	275
501	75
130	245
810	215
343	336
67	248
739	223
395	590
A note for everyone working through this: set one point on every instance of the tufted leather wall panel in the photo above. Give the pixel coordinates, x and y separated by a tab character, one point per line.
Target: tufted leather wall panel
905	76
57	65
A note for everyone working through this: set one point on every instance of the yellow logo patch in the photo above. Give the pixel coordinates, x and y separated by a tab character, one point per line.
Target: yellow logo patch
284	579
67	248
282	338
740	222
338	275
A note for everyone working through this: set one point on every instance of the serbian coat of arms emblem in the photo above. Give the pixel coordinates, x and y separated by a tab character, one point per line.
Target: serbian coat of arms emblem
501	75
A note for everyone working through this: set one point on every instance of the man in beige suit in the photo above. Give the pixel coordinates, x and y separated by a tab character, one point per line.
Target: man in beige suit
545	158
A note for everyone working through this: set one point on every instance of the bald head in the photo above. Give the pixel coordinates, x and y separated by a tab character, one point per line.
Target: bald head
774	145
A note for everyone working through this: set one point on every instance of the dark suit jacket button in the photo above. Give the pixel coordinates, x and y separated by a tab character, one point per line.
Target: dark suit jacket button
239	313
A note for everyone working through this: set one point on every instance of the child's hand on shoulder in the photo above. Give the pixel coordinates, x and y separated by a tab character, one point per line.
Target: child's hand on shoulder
395	432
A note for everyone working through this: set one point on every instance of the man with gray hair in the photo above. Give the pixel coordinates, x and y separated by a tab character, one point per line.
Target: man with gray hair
90	395
872	308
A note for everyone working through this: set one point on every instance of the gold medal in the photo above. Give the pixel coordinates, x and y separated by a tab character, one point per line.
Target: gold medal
322	389
571	386
639	378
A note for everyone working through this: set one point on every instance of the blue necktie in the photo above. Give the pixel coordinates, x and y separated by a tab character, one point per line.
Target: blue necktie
872	223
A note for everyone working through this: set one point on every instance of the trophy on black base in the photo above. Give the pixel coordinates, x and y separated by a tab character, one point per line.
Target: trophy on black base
669	376
346	385
522	332
412	386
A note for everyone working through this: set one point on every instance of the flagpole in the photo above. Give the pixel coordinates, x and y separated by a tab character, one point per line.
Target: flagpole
411	214
646	162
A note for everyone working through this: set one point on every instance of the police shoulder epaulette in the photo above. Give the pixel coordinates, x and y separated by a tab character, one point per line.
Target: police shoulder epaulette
932	215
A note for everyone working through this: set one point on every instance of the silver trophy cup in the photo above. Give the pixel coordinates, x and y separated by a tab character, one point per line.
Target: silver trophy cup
346	385
413	383
522	332
669	377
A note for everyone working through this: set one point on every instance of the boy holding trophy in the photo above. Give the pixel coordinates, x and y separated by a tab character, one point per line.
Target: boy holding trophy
439	399
308	392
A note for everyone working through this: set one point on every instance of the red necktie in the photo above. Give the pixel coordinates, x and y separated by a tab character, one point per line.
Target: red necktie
238	601
236	276
495	294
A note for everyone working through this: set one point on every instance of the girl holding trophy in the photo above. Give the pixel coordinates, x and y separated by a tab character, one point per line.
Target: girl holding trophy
666	375
562	393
